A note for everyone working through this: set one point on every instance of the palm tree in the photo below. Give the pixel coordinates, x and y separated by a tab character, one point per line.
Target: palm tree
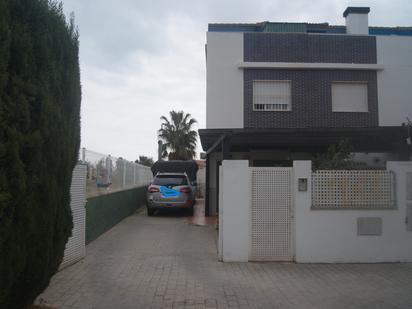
179	140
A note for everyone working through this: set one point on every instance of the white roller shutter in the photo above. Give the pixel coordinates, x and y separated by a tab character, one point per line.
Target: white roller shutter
349	96
272	95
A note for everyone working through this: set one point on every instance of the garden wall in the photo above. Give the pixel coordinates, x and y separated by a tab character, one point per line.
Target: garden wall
105	211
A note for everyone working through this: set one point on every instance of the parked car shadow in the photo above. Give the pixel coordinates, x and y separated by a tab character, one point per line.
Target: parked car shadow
172	213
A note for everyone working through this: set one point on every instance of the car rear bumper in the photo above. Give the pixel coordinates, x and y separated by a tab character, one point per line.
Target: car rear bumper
169	205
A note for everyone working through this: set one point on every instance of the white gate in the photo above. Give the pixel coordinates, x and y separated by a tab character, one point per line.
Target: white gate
76	245
272	214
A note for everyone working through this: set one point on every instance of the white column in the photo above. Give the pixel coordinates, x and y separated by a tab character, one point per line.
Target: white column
220	242
401	230
302	202
234	211
124	173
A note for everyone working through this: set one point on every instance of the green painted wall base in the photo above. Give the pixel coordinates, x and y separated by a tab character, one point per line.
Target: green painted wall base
105	211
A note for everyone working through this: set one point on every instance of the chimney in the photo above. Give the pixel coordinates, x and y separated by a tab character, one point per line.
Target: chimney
356	20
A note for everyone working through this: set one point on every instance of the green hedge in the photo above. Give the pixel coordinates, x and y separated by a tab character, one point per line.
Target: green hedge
40	98
105	211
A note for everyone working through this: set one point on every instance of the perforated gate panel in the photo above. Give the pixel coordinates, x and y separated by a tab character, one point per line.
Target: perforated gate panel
271	214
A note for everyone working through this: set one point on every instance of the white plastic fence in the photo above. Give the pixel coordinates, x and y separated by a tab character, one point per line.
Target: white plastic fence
75	247
106	174
360	189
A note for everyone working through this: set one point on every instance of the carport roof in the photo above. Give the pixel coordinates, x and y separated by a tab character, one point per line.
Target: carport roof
370	139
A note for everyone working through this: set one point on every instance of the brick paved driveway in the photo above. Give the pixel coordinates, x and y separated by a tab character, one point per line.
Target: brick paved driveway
155	262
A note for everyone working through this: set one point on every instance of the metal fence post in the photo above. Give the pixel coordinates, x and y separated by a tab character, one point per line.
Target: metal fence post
124	173
109	168
84	154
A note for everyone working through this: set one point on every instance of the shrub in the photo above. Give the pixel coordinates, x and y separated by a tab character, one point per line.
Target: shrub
40	98
337	157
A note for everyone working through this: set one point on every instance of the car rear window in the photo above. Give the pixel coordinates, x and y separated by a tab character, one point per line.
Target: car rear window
167	180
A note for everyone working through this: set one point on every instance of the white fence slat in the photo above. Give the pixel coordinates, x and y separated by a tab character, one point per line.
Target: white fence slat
76	245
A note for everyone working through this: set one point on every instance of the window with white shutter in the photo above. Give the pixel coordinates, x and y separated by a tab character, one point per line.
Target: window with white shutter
272	95
349	96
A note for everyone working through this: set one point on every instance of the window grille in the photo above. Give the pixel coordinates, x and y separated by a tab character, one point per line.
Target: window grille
271	95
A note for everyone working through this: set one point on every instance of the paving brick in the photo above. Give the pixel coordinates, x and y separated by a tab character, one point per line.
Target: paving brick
163	262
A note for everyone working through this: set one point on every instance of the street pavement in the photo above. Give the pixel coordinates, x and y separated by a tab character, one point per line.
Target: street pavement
166	261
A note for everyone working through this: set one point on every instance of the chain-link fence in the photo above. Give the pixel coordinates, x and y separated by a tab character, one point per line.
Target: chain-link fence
107	174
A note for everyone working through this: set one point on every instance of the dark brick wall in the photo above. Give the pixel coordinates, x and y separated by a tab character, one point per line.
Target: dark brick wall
311	100
295	47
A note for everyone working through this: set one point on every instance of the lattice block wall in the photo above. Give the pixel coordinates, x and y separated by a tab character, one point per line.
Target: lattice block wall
271	214
341	189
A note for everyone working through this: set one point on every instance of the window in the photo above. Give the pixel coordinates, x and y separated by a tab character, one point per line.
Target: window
166	180
349	96
271	95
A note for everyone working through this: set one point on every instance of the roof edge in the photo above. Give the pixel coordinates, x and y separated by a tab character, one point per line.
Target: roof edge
356	10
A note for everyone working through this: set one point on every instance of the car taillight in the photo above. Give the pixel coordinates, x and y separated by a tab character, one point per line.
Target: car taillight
153	189
185	190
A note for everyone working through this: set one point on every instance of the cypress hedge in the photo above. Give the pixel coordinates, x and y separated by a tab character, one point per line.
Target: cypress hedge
40	96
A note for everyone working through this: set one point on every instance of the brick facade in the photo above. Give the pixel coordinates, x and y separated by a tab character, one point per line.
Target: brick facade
311	100
311	89
296	47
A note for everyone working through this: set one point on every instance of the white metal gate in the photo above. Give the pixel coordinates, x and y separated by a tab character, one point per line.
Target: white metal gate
272	214
76	245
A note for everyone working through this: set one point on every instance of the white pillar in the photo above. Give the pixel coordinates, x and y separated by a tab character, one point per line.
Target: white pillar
234	211
302	171
124	173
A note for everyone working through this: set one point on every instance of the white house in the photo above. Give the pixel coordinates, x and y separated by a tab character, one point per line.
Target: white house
278	92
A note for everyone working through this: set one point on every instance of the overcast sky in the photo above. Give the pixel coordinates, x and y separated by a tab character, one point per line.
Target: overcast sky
141	59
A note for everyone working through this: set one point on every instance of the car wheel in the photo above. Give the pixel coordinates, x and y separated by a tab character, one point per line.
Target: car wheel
150	211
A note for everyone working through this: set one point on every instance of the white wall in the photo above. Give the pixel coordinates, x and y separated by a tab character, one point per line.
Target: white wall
224	93
321	236
395	80
331	235
234	211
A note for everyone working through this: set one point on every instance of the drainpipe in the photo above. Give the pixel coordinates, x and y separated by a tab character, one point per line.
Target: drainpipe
207	211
